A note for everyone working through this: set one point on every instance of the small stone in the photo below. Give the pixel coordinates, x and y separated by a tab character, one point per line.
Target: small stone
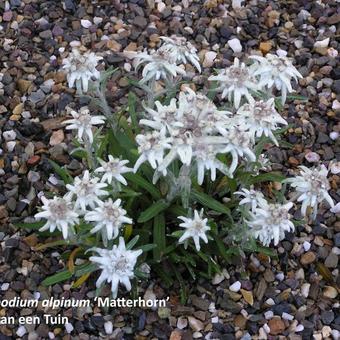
23	85
248	296
312	157
196	325
265	47
305	289
140	21
276	326
209	59
9	135
7	16
308	258
21	331
332	260
69	328
108	326
33	160
175	335
86	23
235	45
57	137
268	314
240	321
330	292
321	43
182	322
335	168
235	287
327	317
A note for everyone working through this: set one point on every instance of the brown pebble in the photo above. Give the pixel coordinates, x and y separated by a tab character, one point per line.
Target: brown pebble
33	160
308	258
276	326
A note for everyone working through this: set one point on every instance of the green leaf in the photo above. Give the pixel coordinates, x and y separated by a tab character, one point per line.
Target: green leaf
209	202
85	268
132	242
152	211
140	181
59	277
267	177
62	172
147	247
159	238
34	225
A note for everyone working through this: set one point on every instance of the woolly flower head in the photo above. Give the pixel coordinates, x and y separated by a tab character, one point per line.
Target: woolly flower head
236	82
83	122
270	222
251	198
275	70
113	169
312	188
80	68
87	191
160	65
181	50
195	228
261	118
117	265
189	130
109	217
59	214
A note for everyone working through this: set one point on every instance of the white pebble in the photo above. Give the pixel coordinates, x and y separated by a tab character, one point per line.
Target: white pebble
336	250
306	245
161	7
37	295
321	43
235	45
214	319
86	23
21	331
108	326
334	135
26	114
5	286
312	157
287	316
51	335
281	53
335	334
268	315
209	59
9	135
11	145
266	328
299	328
236	4
335	168
336	105
235	287
270	302
305	289
280	276
97	20
69	328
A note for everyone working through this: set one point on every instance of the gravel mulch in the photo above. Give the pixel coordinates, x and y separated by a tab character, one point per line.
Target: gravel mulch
292	296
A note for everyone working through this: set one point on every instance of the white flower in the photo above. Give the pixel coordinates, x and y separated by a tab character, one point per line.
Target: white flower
311	188
239	144
159	65
251	198
270	222
190	128
113	169
261	118
195	228
59	215
108	216
205	156
117	265
275	70
87	191
81	68
181	50
83	122
151	147
236	82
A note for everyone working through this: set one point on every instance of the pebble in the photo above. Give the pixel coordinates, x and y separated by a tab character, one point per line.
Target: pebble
108	326
9	135
306	245
69	328
235	287
86	23
235	45
327	317
305	289
209	59
330	292
308	258
196	325
276	326
312	157
21	331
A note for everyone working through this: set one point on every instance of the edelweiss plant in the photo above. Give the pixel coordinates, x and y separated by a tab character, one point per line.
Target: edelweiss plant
180	157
